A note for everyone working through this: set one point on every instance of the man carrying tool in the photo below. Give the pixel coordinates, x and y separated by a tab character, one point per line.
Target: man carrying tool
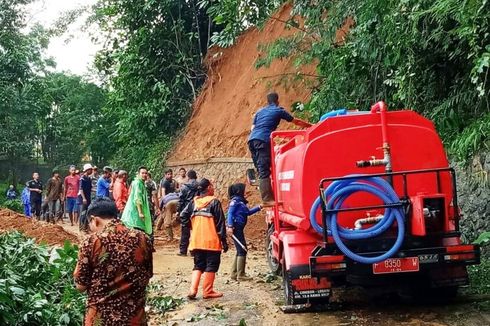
265	122
238	213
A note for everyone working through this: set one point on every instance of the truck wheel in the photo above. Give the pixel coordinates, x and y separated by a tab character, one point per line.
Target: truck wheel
288	289
274	265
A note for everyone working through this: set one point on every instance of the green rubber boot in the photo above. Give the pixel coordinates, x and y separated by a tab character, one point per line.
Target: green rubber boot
241	263
233	274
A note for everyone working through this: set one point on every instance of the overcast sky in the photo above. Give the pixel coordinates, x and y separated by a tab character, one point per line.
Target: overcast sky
74	51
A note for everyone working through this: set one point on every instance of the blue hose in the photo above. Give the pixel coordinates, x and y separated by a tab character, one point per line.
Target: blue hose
338	192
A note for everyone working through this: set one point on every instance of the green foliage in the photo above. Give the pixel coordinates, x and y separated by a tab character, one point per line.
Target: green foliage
15	205
152	66
42	114
34	289
163	304
480	277
430	56
19	57
472	139
234	16
483	239
159	302
73	112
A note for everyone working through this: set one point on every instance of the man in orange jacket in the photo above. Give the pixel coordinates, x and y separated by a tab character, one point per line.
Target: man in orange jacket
120	191
208	238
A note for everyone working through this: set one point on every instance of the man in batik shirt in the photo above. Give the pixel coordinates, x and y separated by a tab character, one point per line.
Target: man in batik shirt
114	267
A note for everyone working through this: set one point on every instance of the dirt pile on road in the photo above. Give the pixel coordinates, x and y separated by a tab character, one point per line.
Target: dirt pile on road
235	89
52	234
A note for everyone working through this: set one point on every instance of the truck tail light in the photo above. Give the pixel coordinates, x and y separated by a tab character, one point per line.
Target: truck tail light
462	252
331	263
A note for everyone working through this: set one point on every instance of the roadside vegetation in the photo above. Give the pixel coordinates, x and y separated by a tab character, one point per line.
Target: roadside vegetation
36	283
15	205
37	288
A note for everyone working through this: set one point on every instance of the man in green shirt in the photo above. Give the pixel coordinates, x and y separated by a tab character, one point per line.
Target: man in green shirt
136	214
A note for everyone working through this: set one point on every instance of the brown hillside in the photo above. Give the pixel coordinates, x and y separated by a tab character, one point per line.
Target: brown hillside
235	90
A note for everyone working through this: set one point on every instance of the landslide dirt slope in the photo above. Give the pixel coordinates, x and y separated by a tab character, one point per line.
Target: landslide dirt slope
235	90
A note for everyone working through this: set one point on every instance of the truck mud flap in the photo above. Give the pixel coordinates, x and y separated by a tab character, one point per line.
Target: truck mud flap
301	288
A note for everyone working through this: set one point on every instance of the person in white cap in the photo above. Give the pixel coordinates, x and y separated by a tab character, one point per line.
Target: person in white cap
85	195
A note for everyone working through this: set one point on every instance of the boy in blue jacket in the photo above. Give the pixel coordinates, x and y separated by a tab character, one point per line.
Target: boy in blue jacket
238	214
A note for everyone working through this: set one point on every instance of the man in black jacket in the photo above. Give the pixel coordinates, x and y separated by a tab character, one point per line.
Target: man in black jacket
187	194
36	188
208	238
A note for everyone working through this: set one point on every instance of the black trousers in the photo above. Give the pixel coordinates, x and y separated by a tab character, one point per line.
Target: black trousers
238	233
36	208
184	238
206	260
261	156
83	221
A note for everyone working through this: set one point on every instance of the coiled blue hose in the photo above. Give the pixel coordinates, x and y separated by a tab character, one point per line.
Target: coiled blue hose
338	192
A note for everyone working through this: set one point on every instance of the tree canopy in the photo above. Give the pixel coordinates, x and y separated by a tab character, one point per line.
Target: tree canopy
430	56
43	114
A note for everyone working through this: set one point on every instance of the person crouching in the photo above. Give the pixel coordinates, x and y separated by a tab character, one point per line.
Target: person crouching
208	238
238	214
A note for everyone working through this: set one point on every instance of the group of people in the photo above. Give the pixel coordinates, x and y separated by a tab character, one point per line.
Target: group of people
115	260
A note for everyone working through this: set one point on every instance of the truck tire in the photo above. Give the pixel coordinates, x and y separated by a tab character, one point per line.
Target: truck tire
274	265
288	289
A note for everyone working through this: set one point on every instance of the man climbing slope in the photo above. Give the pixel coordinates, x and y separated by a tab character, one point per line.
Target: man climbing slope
265	122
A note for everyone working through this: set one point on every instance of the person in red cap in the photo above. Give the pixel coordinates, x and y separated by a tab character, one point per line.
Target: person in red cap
208	238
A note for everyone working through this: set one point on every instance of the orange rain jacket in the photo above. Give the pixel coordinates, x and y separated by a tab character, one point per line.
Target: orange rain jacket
208	224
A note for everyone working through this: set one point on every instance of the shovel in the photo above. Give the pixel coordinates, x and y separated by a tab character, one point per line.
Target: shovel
239	243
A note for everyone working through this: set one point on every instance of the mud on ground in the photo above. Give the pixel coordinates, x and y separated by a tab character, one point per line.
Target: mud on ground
52	234
258	302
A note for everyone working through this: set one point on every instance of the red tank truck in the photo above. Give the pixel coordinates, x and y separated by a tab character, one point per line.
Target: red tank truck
381	183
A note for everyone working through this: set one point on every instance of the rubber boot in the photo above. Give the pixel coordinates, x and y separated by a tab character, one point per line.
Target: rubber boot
241	263
234	274
207	286
196	278
266	192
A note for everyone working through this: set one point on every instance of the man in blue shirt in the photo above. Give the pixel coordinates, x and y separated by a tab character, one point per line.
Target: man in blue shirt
104	183
265	122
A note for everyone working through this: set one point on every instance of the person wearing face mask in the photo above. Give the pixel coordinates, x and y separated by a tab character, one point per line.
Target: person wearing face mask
115	285
208	238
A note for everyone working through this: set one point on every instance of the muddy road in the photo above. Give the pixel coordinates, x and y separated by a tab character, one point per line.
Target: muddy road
258	302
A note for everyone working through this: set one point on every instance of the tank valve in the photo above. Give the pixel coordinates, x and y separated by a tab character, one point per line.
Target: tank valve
373	162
